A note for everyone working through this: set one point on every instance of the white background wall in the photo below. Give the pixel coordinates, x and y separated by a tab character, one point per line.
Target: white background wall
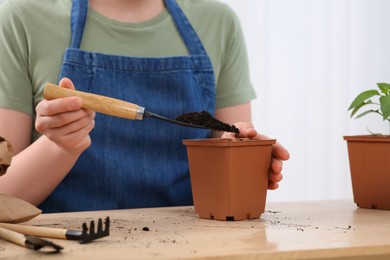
309	59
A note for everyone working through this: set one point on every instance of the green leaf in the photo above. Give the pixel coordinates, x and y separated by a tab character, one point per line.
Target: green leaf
384	87
363	97
356	109
366	112
385	107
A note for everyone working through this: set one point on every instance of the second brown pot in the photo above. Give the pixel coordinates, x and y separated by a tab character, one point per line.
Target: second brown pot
369	160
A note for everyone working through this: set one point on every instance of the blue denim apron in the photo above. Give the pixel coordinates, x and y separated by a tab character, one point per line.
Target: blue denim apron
133	164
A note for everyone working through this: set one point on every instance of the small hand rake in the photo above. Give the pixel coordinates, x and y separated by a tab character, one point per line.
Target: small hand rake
83	236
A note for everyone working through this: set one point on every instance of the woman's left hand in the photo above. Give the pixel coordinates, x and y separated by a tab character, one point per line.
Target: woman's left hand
279	153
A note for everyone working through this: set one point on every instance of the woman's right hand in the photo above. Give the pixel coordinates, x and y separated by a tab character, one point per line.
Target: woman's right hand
65	122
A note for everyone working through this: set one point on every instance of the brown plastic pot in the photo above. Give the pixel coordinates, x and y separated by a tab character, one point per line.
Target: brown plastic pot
229	178
369	160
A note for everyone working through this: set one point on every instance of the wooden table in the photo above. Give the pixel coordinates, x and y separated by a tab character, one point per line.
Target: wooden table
294	230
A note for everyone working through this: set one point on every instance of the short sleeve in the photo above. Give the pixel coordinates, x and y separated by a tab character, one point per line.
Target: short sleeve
234	86
15	85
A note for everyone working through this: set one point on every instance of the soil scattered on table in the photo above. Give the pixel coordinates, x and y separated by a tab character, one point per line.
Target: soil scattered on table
145	229
205	119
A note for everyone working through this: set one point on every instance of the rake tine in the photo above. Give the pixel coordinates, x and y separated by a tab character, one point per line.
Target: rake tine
92	235
100	226
92	228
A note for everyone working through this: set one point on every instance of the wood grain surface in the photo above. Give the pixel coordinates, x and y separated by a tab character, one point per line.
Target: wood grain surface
294	230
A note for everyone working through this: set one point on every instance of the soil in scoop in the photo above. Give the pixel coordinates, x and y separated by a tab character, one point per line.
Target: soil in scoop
205	119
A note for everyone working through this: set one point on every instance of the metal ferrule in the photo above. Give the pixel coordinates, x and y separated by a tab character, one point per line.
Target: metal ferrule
140	113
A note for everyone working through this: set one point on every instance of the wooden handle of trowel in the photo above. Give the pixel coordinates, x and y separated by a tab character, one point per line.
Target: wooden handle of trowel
98	103
12	236
36	231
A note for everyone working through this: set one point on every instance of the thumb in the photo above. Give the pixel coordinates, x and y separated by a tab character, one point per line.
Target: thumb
66	83
247	130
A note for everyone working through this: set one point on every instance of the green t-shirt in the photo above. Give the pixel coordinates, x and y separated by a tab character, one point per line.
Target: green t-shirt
34	35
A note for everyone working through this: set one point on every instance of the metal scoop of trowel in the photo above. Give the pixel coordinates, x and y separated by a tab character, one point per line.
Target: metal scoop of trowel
119	108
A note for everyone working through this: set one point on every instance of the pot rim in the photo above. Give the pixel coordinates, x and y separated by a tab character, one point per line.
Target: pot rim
228	142
367	138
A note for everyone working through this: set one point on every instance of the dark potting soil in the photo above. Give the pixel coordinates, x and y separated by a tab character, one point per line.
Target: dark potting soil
205	119
145	229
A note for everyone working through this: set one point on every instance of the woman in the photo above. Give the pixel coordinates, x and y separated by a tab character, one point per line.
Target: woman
170	57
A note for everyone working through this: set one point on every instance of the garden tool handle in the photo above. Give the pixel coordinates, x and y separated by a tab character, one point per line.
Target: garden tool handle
12	236
102	104
36	231
30	242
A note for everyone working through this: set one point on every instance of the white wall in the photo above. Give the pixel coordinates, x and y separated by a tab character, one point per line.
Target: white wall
309	59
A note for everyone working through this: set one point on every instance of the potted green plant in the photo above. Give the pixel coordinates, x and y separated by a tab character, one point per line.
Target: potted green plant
229	177
369	154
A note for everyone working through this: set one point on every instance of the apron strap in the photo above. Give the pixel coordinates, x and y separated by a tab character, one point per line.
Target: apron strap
187	32
78	19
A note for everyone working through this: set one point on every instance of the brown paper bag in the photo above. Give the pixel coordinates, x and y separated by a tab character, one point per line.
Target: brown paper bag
15	210
6	153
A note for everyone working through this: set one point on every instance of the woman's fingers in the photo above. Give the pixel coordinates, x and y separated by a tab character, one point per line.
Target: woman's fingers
65	122
59	105
279	153
59	112
276	165
77	140
273	185
58	126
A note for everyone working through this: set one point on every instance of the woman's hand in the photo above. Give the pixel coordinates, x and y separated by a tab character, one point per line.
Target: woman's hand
279	153
65	122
